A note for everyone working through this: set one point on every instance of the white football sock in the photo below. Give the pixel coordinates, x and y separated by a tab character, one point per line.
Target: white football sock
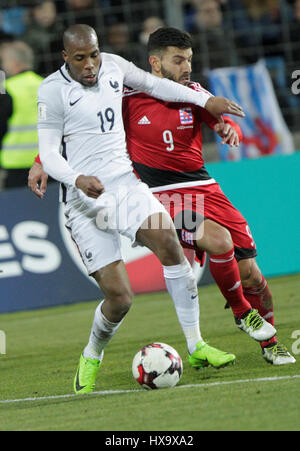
182	286
101	333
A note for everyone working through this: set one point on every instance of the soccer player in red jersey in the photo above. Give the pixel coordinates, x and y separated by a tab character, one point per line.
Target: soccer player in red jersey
164	142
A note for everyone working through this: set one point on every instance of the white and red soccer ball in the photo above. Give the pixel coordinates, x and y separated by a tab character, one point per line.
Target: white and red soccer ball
157	365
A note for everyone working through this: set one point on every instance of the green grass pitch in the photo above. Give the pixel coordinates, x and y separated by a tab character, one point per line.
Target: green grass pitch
43	348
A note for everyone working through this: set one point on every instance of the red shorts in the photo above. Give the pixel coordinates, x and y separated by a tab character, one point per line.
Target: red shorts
188	207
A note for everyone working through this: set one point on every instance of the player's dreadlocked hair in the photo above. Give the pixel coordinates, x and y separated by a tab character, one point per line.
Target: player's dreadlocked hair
165	37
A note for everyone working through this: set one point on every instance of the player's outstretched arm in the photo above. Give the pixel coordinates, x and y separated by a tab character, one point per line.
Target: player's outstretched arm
220	105
170	91
37	180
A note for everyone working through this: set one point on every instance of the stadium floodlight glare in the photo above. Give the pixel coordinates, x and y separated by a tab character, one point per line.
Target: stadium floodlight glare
2	82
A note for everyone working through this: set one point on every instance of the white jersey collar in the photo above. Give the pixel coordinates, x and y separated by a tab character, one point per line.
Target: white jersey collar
65	74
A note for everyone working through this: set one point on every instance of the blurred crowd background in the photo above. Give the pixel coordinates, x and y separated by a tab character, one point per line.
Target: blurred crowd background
225	33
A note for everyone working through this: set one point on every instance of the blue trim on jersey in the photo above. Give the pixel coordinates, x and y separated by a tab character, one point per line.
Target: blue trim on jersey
64	155
64	76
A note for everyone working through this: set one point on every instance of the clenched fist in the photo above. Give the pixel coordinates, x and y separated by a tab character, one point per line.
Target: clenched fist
90	185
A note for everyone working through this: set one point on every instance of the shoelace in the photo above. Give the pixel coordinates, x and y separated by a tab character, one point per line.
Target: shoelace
279	350
254	320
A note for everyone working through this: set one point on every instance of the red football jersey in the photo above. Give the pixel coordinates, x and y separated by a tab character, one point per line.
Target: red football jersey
164	139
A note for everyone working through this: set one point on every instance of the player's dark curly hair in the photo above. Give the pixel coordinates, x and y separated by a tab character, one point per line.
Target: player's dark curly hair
167	36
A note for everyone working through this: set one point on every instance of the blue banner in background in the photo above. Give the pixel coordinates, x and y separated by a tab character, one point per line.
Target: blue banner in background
264	129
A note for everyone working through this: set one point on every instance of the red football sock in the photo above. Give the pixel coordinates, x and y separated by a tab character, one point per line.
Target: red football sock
260	298
225	270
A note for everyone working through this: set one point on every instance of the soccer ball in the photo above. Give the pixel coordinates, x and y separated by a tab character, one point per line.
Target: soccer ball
157	365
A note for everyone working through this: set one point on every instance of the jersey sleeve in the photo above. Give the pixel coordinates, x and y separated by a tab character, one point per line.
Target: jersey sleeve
37	159
206	117
160	88
50	107
53	163
50	132
236	126
209	120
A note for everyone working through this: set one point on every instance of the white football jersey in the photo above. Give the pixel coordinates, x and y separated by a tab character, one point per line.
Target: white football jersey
90	118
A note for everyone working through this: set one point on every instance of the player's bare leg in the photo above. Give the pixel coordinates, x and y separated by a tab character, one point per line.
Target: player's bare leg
217	242
257	292
158	234
115	285
114	282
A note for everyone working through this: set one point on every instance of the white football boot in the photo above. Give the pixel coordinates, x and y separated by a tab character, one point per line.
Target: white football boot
277	354
255	326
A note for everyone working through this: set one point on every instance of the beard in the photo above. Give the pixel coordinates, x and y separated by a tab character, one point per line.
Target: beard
170	76
167	74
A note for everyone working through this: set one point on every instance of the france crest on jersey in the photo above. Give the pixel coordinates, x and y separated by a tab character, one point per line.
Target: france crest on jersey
186	116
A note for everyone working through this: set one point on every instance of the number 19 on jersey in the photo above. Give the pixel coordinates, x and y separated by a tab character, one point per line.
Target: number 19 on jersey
107	119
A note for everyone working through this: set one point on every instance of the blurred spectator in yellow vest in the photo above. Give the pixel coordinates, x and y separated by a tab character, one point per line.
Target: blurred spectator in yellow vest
18	113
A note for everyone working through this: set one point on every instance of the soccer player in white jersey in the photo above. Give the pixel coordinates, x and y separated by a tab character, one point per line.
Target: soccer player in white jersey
80	107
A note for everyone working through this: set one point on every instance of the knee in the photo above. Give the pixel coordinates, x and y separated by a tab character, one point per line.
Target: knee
120	300
224	241
169	250
220	240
